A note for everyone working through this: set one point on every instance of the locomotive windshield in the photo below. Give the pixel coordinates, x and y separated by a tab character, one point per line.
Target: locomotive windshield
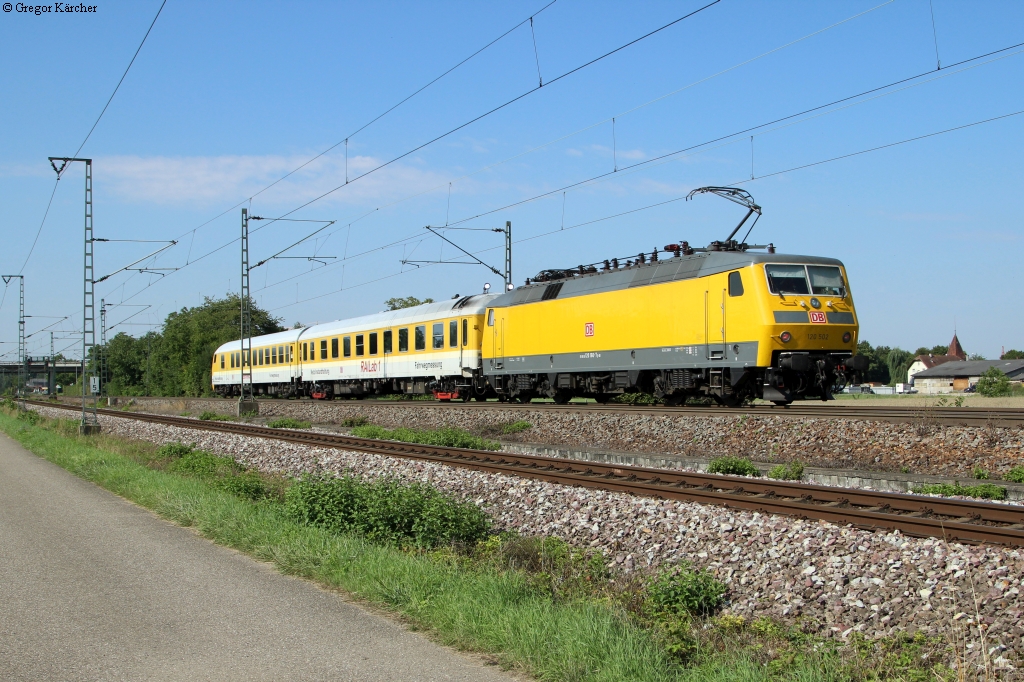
825	280
787	279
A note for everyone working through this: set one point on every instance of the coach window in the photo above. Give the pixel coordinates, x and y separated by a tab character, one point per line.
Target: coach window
222	361
312	350
735	284
347	346
421	337
490	317
359	344
453	333
334	347
280	354
465	331
323	349
304	356
373	343
403	340
438	335
259	357
288	352
387	341
231	361
273	355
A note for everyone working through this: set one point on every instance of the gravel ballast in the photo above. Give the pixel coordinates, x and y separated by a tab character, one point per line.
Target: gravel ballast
829	579
921	447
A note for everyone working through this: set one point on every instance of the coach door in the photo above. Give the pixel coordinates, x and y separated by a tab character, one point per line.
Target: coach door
714	325
497	339
386	349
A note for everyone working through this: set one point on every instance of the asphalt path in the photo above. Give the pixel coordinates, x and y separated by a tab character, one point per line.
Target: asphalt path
93	587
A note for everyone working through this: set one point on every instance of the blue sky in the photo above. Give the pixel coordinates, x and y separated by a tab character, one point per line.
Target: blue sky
226	98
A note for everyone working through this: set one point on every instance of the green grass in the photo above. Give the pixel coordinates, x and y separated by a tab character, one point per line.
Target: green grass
214	417
984	491
289	423
534	604
515	427
445	437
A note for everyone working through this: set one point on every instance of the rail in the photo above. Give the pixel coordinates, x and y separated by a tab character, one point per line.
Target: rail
917	515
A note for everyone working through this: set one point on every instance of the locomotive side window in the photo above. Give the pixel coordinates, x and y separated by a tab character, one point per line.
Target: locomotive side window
490	317
453	333
826	280
421	337
786	279
323	349
438	335
359	344
334	347
387	341
348	346
373	343
403	340
465	331
735	284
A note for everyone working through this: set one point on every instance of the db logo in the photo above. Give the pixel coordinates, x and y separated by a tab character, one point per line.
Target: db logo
588	329
817	317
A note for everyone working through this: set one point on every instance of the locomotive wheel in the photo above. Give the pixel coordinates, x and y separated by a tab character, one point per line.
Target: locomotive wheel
602	398
563	397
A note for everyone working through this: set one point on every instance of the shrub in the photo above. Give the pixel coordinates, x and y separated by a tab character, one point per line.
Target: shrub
516	427
980	474
223	472
554	565
1016	474
683	590
448	436
355	421
634	399
288	423
174	450
993	383
793	471
386	510
203	464
214	417
985	491
735	466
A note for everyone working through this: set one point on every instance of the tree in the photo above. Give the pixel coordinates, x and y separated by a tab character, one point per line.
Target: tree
407	302
993	383
934	350
976	356
877	370
176	360
898	362
1012	355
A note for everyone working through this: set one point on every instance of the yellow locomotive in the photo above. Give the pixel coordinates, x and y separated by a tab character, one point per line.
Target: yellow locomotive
730	322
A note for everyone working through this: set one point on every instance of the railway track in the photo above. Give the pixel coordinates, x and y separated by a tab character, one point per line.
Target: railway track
917	515
957	416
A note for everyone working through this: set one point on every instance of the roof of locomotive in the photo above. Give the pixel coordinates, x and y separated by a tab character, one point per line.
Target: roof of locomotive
668	270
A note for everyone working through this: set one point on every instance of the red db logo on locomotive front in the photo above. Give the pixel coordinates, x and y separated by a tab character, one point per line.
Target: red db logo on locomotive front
817	317
588	329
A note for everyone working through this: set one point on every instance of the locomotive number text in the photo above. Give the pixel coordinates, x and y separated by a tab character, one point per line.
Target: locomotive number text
817	337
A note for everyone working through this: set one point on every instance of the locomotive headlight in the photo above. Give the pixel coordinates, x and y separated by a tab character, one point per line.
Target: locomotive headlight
785	337
815	303
846	337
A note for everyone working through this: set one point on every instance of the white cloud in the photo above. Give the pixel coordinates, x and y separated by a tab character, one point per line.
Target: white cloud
202	180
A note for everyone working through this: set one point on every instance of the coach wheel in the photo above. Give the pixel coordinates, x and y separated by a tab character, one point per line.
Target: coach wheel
602	398
562	397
